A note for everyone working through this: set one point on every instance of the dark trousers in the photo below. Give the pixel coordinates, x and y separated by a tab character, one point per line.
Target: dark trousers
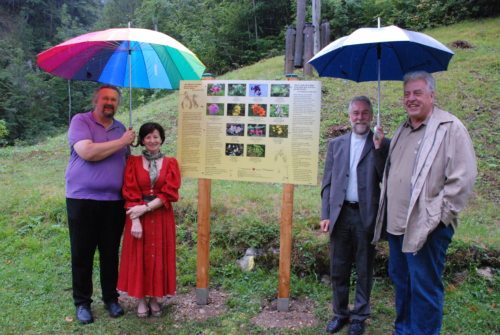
94	225
417	279
350	243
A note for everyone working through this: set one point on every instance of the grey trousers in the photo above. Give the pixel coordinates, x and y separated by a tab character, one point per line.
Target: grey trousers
350	243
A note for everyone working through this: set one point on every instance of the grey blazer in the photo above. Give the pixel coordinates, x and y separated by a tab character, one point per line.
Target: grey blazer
336	175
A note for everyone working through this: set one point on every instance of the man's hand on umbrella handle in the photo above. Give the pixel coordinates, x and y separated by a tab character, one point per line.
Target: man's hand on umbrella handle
128	136
378	136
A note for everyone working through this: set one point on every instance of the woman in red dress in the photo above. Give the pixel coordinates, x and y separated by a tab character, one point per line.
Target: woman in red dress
151	183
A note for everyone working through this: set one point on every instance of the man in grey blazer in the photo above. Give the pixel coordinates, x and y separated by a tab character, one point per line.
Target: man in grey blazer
350	195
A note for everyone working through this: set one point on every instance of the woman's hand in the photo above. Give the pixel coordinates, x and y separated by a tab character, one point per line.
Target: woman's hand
137	211
136	228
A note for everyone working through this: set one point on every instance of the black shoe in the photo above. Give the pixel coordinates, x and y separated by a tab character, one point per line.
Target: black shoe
357	327
84	314
336	324
114	309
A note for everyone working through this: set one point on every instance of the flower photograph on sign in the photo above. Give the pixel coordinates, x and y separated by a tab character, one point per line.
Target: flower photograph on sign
278	130
256	150
235	109
235	129
216	90
279	110
215	109
236	90
258	110
257	130
280	90
258	90
234	149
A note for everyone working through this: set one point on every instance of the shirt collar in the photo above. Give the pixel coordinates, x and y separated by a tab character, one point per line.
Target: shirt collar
359	137
112	126
408	124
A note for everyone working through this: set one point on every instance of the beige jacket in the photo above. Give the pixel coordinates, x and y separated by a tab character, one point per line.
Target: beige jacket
441	182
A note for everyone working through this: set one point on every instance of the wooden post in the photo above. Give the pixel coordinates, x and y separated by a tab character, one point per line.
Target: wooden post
308	48
289	49
316	15
285	241
203	250
299	36
285	248
325	33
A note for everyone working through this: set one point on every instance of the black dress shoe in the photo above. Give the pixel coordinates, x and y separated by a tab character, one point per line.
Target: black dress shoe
336	324
84	314
357	327
114	309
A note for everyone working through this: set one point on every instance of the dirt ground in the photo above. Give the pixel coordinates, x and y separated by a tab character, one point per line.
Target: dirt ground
184	307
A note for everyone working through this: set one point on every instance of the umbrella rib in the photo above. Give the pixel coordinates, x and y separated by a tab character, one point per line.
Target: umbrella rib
358	74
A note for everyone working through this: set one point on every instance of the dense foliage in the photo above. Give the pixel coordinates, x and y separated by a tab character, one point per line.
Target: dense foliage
225	34
348	15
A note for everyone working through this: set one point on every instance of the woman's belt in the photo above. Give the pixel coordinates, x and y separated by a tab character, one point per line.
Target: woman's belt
148	198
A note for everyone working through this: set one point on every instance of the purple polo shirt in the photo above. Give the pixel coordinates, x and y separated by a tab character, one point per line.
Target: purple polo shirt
101	180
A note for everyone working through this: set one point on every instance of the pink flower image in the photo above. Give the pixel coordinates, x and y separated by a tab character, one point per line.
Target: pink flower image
213	109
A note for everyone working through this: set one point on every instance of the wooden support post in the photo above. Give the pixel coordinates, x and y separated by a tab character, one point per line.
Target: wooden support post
316	15
289	49
202	264
325	33
308	48
203	250
285	241
299	36
285	248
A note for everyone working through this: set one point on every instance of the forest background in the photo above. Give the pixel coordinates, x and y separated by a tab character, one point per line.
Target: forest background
225	34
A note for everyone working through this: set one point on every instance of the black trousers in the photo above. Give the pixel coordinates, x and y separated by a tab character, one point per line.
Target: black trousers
350	243
94	225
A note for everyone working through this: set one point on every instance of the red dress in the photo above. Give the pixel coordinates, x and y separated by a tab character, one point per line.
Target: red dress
147	265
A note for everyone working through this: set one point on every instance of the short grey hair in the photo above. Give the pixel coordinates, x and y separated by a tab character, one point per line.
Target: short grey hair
102	87
361	98
421	75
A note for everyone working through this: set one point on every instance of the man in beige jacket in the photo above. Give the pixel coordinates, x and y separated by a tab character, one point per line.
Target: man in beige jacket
428	178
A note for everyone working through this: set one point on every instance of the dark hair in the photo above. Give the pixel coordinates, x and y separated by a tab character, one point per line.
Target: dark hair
146	129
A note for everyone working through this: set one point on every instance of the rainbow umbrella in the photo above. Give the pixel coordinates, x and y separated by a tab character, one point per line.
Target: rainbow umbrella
125	57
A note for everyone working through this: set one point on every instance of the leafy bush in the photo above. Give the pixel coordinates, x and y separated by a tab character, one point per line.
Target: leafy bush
348	15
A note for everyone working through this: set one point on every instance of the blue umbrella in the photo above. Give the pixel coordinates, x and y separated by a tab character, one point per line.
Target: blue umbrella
386	53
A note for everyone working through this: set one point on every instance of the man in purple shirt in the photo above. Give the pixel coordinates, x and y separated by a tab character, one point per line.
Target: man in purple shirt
94	176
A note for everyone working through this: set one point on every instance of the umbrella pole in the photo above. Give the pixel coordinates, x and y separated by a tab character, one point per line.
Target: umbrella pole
130	83
378	100
69	102
130	87
379	55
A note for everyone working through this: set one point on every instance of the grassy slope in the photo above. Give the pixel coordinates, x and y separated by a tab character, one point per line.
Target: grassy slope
34	262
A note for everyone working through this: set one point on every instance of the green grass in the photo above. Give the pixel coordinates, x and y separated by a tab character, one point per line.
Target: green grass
35	295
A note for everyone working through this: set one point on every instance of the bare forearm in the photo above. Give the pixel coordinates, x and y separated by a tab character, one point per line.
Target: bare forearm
155	204
91	151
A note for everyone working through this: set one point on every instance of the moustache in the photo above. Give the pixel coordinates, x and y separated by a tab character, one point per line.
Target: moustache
109	107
